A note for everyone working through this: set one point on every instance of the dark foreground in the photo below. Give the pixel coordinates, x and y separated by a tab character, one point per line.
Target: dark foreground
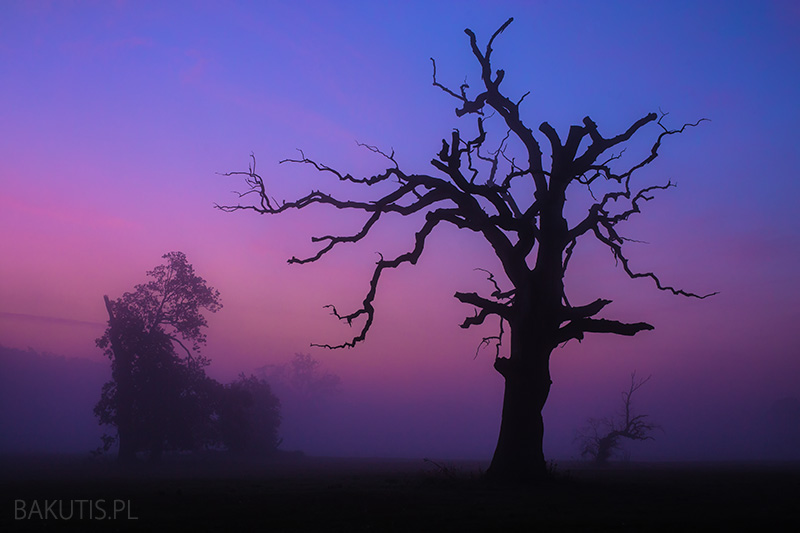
310	494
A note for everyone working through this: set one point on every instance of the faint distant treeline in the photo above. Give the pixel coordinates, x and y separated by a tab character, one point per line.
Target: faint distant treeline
46	401
305	389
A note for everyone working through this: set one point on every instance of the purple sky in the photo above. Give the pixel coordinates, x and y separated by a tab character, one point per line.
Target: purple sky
117	117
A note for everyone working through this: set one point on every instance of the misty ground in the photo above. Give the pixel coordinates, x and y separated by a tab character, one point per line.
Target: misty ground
295	493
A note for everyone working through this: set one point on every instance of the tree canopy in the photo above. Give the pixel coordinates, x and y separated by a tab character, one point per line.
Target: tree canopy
156	397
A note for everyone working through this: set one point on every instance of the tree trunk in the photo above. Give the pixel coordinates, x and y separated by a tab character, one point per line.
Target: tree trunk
534	325
519	455
122	376
127	448
604	448
125	431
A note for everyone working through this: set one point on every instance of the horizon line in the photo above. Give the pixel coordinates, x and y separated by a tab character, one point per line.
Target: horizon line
43	318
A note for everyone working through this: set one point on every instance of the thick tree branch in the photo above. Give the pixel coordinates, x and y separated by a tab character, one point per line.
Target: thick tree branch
600	144
584	311
576	328
487	307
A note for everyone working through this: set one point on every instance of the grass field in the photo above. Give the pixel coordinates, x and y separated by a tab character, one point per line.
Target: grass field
318	494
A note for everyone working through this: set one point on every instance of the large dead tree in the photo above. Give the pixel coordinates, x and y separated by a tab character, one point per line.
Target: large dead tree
505	191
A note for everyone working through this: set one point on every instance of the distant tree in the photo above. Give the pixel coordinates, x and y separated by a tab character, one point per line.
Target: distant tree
303	377
503	188
157	397
305	389
601	438
248	416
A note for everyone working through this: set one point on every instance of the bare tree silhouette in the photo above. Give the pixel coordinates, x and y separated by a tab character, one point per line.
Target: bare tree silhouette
601	438
503	190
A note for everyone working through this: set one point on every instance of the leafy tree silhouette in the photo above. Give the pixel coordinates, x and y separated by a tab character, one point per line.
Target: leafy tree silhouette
248	416
503	190
156	397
